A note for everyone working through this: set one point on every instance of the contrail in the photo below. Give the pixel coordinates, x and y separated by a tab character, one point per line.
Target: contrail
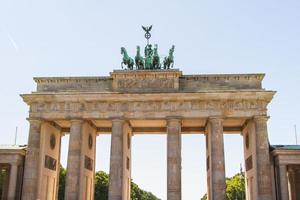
12	41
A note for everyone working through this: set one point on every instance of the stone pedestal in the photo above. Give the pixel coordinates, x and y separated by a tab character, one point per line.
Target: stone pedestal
116	171
73	167
174	159
263	167
216	184
146	80
30	180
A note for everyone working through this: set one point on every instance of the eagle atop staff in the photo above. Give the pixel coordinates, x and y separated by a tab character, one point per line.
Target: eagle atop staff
147	29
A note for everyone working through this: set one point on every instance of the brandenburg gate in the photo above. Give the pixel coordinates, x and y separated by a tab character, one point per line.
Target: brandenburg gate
152	101
151	98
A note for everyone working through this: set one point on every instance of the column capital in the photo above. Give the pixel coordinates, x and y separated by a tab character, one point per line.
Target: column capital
260	118
174	118
216	118
118	120
283	165
171	120
290	170
15	163
35	120
76	120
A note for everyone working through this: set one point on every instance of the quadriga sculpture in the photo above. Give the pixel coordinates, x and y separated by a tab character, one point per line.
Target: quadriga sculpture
139	60
126	59
169	60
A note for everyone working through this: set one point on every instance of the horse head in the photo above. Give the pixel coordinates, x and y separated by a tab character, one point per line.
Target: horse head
138	49
123	50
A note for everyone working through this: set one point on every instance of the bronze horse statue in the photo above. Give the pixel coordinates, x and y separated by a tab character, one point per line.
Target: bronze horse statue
169	61
156	60
139	60
126	59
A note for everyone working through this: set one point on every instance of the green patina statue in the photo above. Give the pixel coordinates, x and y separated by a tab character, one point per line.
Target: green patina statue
126	59
169	61
139	60
148	57
151	60
156	60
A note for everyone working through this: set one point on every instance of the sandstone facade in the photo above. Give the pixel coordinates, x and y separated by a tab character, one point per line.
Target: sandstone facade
137	102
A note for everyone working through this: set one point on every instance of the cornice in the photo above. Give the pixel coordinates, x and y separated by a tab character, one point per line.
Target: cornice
126	97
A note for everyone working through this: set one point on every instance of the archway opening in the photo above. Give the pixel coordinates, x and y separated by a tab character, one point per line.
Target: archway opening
193	166
149	163
234	165
103	153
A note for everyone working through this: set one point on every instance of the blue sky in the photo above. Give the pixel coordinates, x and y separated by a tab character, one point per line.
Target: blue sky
83	38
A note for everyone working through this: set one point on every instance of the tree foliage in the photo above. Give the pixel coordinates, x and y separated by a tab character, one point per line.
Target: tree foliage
235	188
101	187
139	194
62	183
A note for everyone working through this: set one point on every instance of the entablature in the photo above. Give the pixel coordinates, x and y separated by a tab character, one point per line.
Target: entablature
144	106
143	81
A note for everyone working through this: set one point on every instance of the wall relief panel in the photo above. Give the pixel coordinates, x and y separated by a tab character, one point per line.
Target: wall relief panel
147	106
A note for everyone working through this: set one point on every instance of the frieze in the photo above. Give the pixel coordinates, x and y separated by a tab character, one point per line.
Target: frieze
149	106
157	83
226	77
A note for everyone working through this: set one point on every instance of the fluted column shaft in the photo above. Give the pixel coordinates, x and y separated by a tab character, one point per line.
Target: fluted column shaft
116	161
216	161
284	192
13	176
30	179
73	165
174	159
292	181
263	176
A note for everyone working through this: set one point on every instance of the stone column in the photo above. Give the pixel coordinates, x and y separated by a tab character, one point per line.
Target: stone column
5	180
263	166
291	179
116	161
73	166
174	159
13	177
31	171
216	161
284	192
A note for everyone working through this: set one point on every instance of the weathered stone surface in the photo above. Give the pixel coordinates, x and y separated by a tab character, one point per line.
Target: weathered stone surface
220	82
13	182
116	161
30	179
150	80
264	174
73	166
152	97
55	84
146	81
287	173
216	166
12	160
174	159
284	192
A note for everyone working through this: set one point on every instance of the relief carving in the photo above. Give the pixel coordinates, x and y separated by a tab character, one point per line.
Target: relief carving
145	83
150	106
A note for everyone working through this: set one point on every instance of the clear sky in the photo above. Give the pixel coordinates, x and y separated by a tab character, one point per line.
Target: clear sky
83	38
